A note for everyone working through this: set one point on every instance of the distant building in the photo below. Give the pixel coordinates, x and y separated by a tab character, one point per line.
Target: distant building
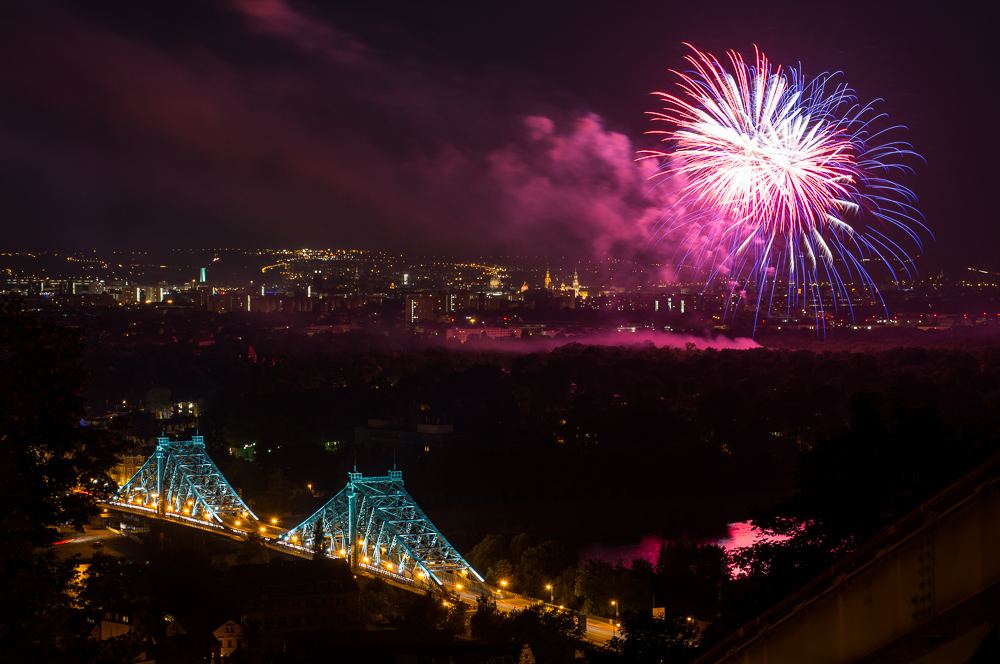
111	624
392	433
459	300
127	466
84	299
138	294
291	599
419	308
463	334
230	635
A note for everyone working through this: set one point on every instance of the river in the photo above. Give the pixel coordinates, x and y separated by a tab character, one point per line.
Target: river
740	535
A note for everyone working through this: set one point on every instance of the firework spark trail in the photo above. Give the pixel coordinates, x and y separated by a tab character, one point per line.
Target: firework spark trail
774	169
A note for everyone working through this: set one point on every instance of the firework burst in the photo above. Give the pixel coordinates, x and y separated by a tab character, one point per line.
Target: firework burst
780	181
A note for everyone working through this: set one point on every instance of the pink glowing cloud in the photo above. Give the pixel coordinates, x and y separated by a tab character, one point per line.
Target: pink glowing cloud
626	337
335	145
739	535
276	18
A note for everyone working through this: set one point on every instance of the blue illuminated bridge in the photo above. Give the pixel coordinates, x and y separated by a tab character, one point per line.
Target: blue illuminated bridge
373	522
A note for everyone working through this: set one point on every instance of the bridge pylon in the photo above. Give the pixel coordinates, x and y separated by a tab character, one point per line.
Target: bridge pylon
378	527
181	480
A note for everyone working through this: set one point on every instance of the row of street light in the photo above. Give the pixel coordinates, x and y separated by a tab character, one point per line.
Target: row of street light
548	586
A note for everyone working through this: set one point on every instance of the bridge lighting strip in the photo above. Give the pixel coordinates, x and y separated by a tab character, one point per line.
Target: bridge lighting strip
170	516
384	572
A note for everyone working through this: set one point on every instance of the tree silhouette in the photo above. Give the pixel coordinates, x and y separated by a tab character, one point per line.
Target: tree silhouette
51	466
319	541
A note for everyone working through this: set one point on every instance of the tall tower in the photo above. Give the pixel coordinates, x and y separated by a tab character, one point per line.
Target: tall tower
548	279
576	283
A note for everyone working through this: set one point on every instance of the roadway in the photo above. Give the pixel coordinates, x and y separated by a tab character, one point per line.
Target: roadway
599	630
232	526
94	540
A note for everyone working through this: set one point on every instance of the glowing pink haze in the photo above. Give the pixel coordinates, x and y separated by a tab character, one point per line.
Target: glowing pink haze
740	535
337	145
623	338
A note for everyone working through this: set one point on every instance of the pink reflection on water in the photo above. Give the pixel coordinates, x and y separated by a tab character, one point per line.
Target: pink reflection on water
648	549
740	535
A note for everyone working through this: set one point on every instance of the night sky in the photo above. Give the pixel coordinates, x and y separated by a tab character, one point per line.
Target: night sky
472	128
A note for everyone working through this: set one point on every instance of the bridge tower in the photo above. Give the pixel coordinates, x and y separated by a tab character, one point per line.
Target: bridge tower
180	479
377	526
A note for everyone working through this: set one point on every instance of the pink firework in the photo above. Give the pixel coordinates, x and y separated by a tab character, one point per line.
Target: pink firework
777	175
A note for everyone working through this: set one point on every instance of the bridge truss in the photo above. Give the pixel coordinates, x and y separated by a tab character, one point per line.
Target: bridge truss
374	523
180	479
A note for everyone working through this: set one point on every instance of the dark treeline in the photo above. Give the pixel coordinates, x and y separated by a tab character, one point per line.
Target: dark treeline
684	580
580	443
588	443
600	442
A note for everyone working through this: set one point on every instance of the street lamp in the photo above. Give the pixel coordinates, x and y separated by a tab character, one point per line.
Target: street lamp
614	627
504	594
548	586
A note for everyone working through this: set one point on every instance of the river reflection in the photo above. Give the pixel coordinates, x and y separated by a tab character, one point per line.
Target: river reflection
740	534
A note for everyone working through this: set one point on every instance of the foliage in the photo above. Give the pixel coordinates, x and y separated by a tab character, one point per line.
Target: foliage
894	453
427	612
177	582
47	461
713	428
115	584
688	578
253	550
319	540
378	602
487	621
644	639
542	564
551	633
564	588
487	554
634	435
499	572
159	401
597	585
538	563
456	623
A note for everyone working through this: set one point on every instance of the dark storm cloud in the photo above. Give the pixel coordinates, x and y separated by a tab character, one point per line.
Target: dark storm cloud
112	137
